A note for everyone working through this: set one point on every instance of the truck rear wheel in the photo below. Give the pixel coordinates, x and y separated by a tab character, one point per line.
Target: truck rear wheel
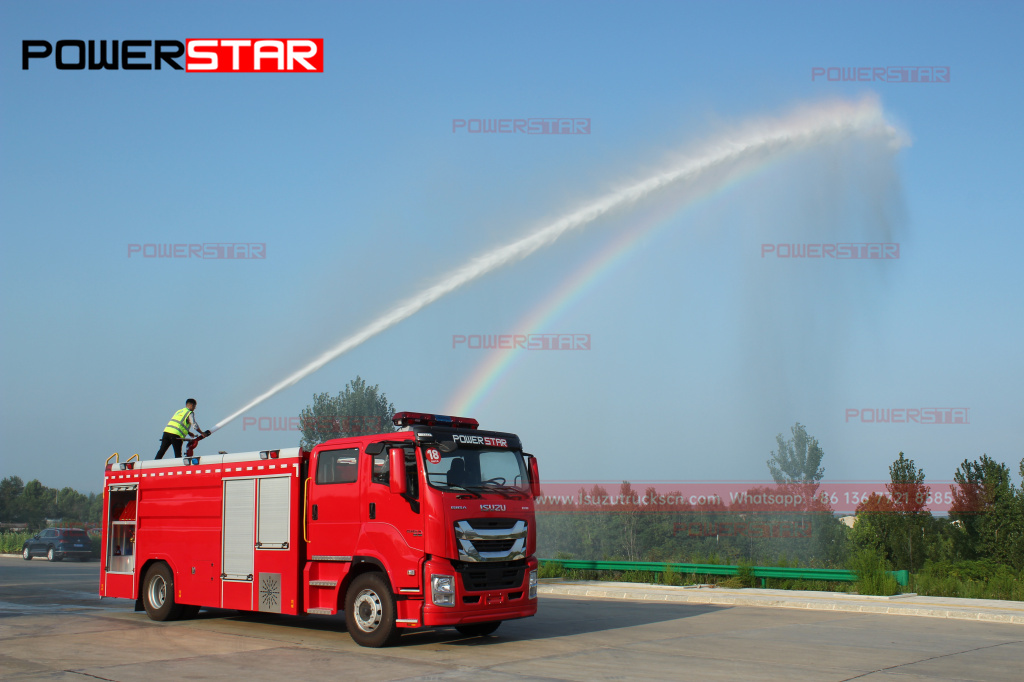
158	593
478	629
370	611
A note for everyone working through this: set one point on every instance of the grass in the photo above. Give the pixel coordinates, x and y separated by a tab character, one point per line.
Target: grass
971	580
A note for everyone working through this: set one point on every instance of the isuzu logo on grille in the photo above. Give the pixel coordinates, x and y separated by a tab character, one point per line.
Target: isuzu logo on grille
492	507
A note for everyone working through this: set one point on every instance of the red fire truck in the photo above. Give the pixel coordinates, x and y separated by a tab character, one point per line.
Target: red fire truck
432	525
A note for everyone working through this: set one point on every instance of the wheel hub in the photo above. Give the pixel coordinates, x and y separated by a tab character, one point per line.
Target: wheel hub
368	610
157	591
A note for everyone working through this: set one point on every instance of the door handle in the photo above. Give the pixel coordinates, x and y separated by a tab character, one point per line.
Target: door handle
315	514
373	510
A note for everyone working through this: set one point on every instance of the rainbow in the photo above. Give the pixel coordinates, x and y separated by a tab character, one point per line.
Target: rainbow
488	374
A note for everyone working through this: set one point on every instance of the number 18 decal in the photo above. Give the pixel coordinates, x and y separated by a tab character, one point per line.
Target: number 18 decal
434	456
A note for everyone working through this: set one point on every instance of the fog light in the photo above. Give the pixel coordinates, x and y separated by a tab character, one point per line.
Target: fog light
442	590
533	584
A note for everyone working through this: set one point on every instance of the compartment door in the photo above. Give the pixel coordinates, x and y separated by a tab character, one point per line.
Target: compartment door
239	528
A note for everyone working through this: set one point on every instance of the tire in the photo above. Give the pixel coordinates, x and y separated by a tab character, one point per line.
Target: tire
370	611
25	554
158	593
51	555
478	629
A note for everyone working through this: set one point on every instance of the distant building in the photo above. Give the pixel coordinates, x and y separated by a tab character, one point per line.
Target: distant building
848	520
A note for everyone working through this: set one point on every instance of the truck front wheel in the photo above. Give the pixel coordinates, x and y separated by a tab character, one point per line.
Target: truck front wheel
158	593
478	629
370	611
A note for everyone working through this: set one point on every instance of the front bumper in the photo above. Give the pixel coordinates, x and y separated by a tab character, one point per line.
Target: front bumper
478	606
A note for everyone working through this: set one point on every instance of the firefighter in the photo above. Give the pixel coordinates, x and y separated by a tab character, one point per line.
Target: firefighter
178	428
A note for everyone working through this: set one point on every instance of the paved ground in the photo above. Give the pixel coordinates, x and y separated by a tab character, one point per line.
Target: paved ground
53	627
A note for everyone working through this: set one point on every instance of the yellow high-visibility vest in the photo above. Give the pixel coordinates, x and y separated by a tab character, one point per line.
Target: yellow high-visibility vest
179	423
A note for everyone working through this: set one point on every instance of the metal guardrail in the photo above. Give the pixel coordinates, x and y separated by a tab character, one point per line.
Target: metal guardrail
762	572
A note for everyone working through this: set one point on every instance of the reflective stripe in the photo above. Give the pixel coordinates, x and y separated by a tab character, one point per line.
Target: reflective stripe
179	423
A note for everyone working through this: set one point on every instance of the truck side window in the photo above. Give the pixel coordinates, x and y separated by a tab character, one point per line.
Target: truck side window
382	471
338	466
381	468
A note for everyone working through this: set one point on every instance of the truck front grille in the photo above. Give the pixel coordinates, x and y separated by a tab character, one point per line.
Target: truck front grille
493	545
478	578
479	540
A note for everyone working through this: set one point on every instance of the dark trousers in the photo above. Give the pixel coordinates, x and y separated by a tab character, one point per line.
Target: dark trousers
167	441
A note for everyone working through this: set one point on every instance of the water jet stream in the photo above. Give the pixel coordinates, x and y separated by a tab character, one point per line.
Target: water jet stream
825	123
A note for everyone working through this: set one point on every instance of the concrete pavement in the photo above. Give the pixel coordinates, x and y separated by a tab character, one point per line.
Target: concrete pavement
53	626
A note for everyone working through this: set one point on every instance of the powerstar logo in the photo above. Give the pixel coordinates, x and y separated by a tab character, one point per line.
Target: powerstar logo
202	55
480	440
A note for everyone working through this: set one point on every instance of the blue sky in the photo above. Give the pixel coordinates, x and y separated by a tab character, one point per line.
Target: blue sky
702	351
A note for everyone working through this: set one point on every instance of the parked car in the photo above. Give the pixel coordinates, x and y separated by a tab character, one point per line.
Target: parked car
57	544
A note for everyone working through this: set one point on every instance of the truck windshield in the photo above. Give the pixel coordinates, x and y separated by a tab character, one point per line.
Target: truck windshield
476	470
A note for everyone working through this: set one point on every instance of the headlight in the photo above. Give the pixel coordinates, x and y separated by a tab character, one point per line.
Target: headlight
533	584
442	590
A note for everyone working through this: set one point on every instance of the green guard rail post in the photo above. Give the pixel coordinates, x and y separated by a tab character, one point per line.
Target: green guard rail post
762	572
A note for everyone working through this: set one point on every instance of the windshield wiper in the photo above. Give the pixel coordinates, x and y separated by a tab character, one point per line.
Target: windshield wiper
468	490
507	491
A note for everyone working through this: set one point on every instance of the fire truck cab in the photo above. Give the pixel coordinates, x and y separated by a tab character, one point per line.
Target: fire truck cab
431	525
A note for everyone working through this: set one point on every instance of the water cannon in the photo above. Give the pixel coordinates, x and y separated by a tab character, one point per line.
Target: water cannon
192	442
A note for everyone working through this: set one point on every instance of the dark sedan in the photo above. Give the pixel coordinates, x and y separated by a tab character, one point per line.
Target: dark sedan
58	543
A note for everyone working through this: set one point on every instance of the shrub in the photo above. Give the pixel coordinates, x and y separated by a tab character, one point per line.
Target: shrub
11	543
872	577
979	579
551	569
745	574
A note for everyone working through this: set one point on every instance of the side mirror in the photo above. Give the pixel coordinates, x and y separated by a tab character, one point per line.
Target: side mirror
396	466
534	476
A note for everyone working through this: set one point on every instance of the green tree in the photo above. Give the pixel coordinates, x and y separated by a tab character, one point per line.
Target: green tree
72	505
796	469
986	506
875	527
357	410
10	492
1018	548
36	503
797	460
909	519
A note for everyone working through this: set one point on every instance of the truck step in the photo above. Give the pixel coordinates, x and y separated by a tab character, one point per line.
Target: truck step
323	583
320	611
